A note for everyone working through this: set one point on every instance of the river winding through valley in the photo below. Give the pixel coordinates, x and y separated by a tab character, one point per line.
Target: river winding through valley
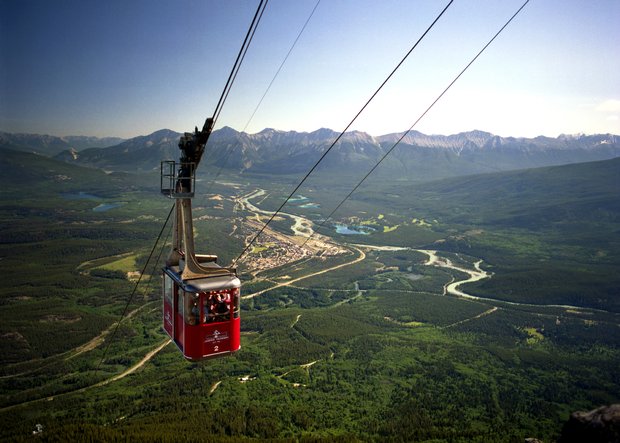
475	274
303	227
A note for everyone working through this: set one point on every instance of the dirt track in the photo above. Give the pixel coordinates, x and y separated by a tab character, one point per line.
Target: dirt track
123	374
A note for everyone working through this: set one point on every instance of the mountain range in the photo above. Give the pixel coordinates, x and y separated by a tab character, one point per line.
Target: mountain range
417	156
50	145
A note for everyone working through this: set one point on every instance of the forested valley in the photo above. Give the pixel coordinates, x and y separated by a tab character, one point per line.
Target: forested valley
377	349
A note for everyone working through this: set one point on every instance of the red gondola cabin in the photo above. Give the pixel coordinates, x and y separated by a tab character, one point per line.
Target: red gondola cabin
202	315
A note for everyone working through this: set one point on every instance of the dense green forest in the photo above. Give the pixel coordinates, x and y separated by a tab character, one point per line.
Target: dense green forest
374	351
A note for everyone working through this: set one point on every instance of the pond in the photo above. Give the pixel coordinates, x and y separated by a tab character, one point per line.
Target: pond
107	206
353	229
102	207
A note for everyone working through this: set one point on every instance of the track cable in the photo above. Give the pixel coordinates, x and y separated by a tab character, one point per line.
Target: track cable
417	121
231	149
240	56
224	96
135	289
218	109
342	133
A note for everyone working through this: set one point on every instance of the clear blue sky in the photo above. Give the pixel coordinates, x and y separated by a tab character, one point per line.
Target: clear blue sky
130	67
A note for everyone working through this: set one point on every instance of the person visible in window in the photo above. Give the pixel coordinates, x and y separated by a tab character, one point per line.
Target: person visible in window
221	307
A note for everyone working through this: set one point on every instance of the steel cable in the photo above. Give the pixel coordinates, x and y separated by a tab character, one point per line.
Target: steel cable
230	150
135	288
237	65
231	78
342	133
416	122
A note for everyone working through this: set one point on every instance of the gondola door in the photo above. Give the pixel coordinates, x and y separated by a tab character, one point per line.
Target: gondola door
170	290
179	324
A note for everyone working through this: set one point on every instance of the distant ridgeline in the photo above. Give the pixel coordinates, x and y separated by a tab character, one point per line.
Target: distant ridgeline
417	157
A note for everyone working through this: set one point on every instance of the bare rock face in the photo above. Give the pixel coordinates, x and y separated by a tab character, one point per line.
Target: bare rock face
601	425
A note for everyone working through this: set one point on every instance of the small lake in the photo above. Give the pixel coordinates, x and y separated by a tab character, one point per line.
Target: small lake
107	206
103	207
353	230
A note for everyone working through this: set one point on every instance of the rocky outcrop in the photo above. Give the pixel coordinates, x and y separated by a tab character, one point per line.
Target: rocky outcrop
601	425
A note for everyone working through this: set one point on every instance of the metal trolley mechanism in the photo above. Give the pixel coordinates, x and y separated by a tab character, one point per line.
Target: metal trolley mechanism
201	299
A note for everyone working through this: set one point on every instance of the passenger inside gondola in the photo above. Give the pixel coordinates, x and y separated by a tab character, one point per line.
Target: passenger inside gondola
192	310
216	307
222	307
207	311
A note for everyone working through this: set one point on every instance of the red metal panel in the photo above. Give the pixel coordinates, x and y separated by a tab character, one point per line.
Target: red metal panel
216	338
193	349
235	334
